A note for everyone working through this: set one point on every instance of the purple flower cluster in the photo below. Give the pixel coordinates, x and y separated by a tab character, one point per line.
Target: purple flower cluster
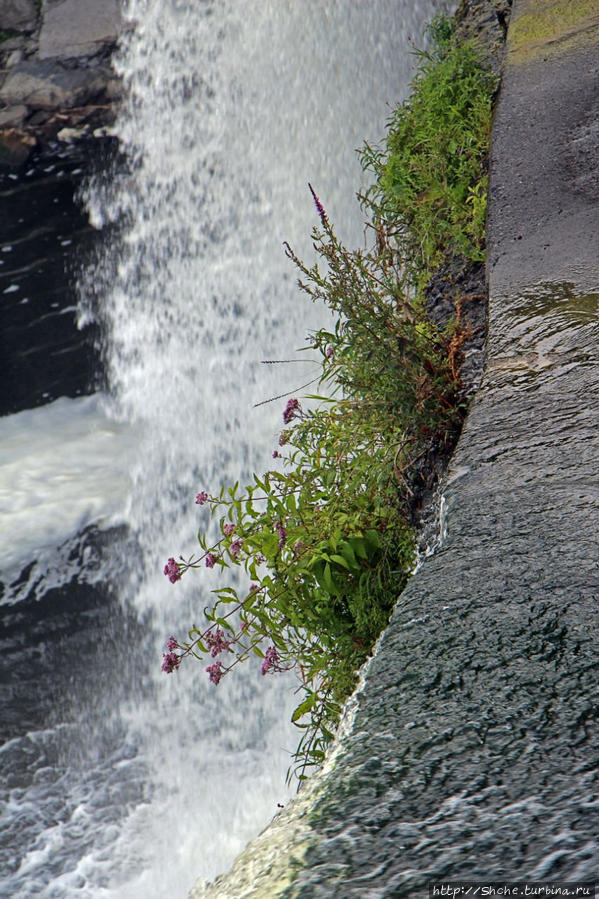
271	660
217	642
171	644
171	570
235	548
291	409
210	560
201	498
228	529
215	671
170	661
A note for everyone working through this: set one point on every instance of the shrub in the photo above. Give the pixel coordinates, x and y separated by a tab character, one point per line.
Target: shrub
327	543
430	177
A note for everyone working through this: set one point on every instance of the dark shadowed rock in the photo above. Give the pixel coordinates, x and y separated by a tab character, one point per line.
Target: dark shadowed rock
15	146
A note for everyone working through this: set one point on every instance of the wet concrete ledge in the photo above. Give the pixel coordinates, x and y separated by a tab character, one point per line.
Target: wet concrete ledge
471	754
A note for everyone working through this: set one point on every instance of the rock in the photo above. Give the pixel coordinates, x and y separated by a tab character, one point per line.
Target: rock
17	42
485	22
15	146
39	118
67	135
55	70
46	86
18	15
73	28
12	117
14	58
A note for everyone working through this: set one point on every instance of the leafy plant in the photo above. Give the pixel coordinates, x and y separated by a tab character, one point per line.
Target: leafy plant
327	542
431	182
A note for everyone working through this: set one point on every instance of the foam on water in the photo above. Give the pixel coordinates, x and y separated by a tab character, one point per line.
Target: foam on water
63	467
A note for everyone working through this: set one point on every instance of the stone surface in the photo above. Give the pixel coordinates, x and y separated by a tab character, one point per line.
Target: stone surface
17	15
541	218
43	85
74	28
13	116
485	22
59	66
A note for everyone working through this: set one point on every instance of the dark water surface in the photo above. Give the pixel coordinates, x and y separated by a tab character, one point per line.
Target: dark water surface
45	240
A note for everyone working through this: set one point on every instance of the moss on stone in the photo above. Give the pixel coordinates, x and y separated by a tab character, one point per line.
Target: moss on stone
553	26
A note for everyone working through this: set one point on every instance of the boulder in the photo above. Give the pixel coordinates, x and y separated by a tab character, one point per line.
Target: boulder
12	117
43	85
73	28
15	146
18	15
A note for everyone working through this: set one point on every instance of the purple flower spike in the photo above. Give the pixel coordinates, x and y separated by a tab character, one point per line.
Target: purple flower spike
170	662
210	560
171	644
215	671
282	535
319	207
201	498
271	660
171	570
228	529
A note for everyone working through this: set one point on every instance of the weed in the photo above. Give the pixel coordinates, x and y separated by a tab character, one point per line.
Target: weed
326	542
430	184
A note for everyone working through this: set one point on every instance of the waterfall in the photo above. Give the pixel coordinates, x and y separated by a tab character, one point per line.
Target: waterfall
145	780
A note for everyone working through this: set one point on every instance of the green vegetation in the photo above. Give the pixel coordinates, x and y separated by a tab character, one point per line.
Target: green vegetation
6	35
431	181
327	542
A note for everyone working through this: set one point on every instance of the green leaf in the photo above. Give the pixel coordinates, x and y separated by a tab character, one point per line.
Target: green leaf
304	707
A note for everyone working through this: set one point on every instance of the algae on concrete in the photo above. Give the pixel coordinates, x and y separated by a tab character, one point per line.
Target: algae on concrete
541	27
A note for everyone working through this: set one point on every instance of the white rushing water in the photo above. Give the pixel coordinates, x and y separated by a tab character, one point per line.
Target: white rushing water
232	108
54	477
